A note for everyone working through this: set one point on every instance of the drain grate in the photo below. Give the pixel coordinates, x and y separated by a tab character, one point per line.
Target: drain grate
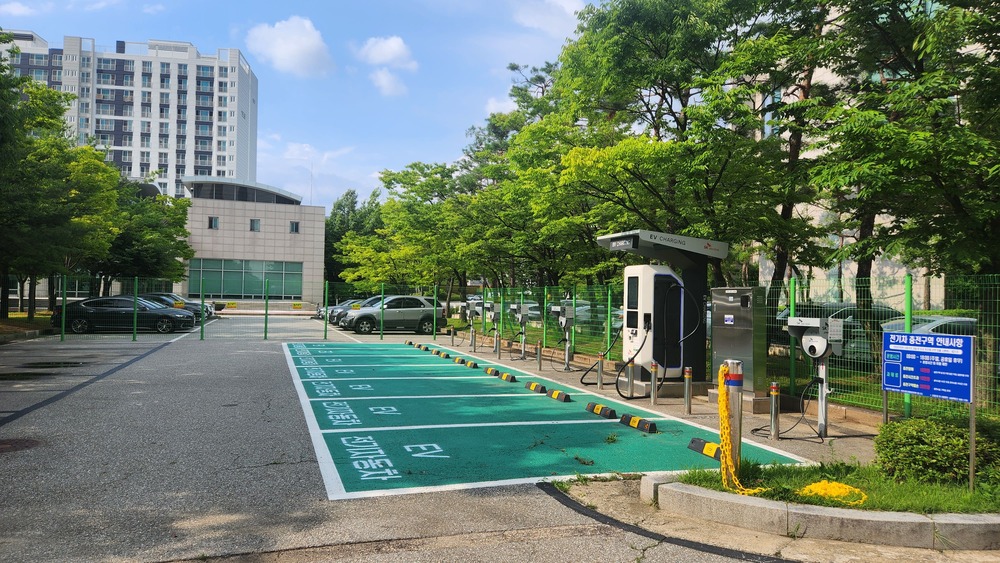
17	444
23	376
53	364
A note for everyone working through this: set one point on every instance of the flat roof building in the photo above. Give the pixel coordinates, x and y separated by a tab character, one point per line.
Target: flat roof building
159	106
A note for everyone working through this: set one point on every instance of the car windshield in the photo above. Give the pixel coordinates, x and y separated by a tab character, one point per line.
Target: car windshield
150	304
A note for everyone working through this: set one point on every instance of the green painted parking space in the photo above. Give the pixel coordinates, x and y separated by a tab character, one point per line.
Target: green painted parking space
433	411
419	459
381	426
406	371
406	387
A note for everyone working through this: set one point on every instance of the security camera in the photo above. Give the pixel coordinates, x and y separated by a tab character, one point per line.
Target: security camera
815	346
812	333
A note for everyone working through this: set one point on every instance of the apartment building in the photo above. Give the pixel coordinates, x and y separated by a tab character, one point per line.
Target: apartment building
163	108
158	107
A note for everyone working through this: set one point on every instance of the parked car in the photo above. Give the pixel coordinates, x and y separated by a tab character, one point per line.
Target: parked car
324	312
189	304
337	317
117	313
849	312
935	324
195	308
397	312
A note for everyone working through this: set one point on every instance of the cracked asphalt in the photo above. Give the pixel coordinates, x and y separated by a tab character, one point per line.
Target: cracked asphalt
198	450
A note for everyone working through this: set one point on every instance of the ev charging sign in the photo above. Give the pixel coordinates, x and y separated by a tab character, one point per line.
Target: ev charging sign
929	365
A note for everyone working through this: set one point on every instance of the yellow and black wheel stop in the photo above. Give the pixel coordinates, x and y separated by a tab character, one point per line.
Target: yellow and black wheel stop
471	364
536	387
601	410
492	371
638	423
509	377
559	396
709	449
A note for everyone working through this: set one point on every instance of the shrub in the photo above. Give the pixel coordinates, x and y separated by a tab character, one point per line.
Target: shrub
934	451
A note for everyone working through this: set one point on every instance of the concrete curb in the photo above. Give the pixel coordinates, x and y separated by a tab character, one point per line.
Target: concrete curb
901	529
26	335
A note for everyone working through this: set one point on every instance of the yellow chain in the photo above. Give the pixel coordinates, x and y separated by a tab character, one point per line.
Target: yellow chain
725	441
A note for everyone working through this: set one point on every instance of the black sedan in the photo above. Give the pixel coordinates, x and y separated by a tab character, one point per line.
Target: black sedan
118	312
164	299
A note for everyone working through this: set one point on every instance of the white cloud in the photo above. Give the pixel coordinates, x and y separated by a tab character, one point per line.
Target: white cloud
100	5
554	17
153	9
15	9
294	46
505	105
388	84
387	52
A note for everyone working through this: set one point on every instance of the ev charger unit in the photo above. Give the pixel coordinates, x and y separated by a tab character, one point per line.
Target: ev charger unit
654	321
739	332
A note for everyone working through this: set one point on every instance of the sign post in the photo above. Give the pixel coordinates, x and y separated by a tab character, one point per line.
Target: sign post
939	366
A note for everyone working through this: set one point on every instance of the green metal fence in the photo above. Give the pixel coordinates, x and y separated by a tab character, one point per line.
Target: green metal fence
941	305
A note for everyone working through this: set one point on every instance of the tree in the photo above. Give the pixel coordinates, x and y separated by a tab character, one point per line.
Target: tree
150	237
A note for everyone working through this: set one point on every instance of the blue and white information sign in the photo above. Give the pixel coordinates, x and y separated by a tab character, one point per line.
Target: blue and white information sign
930	365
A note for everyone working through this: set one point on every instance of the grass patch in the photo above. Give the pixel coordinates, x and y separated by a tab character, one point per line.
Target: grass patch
782	482
18	322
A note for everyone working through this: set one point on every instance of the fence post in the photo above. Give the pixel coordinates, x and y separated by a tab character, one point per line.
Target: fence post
326	305
62	317
201	292
908	313
135	307
545	325
267	291
607	323
793	366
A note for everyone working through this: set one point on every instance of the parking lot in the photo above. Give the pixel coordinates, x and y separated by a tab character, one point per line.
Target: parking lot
175	448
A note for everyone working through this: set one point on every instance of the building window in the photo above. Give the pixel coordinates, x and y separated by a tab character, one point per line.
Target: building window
255	225
213	223
245	279
293	227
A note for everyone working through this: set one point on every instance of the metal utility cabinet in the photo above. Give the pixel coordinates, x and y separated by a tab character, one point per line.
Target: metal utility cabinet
739	332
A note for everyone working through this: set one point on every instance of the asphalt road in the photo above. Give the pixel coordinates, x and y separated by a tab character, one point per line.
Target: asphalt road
160	450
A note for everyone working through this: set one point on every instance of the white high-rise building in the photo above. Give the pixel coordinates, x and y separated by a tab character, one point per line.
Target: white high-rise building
159	108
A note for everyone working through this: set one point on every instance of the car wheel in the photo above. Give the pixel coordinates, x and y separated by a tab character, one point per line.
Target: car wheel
163	326
364	326
79	326
425	326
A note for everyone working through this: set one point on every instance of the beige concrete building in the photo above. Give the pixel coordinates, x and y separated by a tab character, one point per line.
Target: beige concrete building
245	234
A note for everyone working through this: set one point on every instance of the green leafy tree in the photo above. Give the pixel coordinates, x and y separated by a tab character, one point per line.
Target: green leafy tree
150	238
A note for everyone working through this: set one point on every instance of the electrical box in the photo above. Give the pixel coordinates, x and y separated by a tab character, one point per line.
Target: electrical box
739	332
654	320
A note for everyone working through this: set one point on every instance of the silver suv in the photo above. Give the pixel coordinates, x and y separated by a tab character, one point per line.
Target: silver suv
400	312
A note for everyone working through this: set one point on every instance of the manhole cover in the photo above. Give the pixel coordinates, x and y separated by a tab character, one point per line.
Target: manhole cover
52	364
17	444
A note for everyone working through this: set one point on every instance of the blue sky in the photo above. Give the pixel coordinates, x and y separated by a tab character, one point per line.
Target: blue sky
347	87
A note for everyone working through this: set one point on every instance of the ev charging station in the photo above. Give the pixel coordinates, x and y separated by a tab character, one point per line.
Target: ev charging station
820	338
664	318
520	313
566	314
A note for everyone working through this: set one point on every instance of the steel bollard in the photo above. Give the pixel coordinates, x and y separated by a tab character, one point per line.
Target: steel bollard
451	331
472	337
600	371
654	369
734	384
630	374
687	390
538	354
775	410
